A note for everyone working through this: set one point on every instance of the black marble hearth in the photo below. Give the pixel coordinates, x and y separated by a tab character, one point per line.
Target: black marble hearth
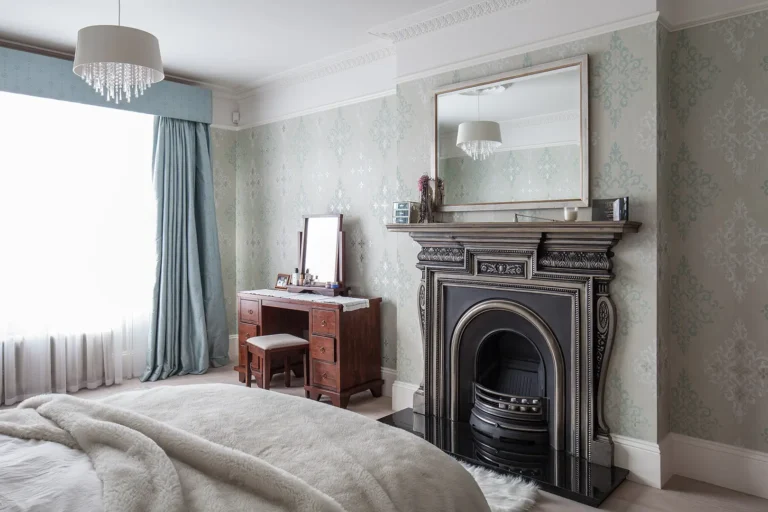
555	471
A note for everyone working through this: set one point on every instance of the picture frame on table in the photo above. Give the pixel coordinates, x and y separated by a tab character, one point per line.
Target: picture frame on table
283	280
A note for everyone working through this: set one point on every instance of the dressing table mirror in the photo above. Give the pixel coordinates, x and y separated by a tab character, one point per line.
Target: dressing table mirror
321	251
516	140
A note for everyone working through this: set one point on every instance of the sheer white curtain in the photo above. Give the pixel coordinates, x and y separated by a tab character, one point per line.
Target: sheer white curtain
77	252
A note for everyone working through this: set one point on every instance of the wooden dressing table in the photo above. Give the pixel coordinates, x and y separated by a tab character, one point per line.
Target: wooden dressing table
344	346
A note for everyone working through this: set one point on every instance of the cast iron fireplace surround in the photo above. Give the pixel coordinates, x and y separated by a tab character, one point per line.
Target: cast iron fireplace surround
518	325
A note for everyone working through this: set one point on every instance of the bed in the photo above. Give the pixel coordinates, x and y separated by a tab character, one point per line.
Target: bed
218	447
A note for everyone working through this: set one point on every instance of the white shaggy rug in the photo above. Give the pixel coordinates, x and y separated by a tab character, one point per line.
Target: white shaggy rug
504	493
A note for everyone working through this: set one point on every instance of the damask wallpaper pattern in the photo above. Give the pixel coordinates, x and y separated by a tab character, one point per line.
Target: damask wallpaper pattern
519	175
338	161
677	121
718	240
623	161
224	157
358	159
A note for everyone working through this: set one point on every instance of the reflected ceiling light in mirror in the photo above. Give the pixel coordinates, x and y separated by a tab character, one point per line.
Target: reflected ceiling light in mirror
479	139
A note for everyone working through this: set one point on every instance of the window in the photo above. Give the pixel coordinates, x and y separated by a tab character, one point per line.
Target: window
77	218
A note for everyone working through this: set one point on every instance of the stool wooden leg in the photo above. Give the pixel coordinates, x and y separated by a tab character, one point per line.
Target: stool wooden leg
266	370
248	361
287	375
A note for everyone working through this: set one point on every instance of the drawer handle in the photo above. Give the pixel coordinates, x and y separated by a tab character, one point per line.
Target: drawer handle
324	323
322	350
324	375
250	311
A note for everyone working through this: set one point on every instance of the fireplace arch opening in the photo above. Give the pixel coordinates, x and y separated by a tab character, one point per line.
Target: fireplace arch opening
510	390
510	363
508	375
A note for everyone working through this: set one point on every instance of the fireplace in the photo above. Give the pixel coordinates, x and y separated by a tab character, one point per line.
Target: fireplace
518	325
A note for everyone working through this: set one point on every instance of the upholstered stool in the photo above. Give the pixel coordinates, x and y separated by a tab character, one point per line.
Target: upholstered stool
263	350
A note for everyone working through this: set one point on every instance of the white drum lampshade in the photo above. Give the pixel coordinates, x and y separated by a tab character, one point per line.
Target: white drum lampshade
122	61
479	139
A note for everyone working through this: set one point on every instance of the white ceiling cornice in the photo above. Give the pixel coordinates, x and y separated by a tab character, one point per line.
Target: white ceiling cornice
442	16
694	16
360	56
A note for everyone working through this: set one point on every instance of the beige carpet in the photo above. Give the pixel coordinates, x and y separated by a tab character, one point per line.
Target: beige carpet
362	403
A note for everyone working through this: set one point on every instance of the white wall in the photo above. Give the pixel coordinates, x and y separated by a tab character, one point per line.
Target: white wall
223	106
281	100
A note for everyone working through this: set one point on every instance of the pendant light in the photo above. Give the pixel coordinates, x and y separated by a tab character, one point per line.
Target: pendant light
479	139
120	61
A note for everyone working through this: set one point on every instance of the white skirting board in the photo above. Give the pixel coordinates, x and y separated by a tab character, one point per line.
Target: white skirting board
718	464
390	376
641	458
402	395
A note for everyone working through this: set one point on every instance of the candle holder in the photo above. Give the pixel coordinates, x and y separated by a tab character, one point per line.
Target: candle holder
570	213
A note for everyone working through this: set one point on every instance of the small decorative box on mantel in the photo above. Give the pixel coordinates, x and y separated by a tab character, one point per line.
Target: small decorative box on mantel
405	212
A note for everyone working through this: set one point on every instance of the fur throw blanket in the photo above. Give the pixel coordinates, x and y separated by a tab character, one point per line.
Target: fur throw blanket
221	447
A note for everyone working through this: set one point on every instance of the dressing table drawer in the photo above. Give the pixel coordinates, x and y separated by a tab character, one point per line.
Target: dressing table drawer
246	331
322	348
249	311
324	321
324	374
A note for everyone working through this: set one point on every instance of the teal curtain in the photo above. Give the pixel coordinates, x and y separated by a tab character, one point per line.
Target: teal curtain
188	332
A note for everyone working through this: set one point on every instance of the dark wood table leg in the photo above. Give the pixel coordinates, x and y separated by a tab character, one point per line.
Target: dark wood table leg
287	374
377	390
248	360
266	370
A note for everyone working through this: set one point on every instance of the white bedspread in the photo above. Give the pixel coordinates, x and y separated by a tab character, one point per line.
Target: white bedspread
220	447
44	476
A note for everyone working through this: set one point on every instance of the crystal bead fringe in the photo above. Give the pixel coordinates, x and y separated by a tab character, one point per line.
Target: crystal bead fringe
479	149
120	81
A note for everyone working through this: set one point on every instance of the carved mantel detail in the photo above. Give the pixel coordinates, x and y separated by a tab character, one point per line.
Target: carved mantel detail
576	260
512	269
541	257
442	254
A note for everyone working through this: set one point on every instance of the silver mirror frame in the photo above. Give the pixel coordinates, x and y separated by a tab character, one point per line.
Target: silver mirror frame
583	200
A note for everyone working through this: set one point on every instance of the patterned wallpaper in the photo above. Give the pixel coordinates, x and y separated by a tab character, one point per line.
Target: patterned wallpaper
679	122
224	157
718	231
623	152
519	175
338	161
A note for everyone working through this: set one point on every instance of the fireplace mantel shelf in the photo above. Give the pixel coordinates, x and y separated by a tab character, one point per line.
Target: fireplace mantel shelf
496	228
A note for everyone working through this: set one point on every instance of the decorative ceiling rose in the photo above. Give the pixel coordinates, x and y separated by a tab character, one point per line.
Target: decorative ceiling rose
479	139
122	61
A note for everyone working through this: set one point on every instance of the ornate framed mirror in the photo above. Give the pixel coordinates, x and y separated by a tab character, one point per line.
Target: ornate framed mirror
517	140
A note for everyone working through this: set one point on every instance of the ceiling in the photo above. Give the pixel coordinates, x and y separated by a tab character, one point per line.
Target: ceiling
530	96
232	43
